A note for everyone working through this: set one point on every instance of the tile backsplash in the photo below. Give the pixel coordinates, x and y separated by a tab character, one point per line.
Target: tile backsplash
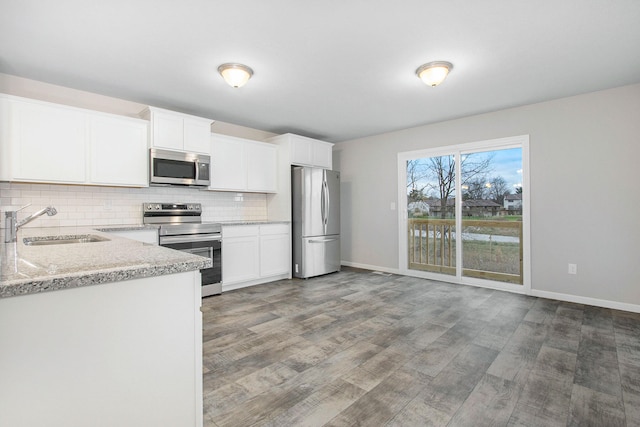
79	205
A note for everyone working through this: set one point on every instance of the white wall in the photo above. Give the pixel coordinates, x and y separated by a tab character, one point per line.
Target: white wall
584	153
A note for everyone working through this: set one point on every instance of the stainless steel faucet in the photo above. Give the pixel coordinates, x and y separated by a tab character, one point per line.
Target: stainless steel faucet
11	223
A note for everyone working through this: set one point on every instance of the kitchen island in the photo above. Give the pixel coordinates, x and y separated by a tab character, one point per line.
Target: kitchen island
102	333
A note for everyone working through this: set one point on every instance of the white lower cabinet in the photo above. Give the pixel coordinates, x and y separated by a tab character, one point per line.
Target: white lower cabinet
254	254
240	254
114	354
274	250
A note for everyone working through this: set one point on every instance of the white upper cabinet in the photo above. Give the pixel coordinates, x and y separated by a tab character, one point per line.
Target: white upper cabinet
46	142
197	135
243	165
305	151
262	163
228	164
176	131
118	151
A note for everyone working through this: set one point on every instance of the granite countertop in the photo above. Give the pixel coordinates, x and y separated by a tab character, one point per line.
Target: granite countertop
127	227
240	222
32	269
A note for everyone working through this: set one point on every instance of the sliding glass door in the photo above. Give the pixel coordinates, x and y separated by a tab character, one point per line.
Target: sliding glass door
431	214
466	210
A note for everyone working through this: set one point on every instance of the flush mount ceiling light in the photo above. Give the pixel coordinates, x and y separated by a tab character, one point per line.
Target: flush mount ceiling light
236	75
434	73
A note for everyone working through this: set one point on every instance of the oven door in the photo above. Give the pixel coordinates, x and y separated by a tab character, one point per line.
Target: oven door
204	245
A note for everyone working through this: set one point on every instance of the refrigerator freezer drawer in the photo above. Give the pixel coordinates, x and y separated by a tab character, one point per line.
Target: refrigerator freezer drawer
319	255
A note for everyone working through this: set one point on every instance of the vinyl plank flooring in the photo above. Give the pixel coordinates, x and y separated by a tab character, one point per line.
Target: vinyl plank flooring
359	348
491	403
593	408
320	407
546	396
381	404
453	385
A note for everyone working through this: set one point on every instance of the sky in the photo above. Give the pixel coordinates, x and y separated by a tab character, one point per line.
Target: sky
508	164
505	163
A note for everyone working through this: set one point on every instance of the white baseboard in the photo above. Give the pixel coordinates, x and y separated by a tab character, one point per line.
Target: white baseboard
586	300
634	308
232	286
370	267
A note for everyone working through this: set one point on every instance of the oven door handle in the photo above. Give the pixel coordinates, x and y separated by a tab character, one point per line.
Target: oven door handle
165	240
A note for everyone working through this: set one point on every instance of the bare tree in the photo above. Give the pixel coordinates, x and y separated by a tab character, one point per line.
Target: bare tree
475	190
417	174
498	189
443	169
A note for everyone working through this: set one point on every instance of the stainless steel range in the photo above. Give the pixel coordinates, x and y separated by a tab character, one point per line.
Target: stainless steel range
181	228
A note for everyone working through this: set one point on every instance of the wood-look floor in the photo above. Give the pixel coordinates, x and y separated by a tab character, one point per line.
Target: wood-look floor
360	348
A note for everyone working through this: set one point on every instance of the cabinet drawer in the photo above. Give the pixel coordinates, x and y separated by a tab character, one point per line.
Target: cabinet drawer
240	231
269	229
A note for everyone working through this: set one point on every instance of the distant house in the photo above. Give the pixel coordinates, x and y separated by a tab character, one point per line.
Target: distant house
513	202
482	208
418	208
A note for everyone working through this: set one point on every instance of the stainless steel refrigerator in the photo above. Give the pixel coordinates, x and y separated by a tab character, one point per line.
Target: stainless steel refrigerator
316	221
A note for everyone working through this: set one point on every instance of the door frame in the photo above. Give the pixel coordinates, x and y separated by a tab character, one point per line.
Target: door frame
520	141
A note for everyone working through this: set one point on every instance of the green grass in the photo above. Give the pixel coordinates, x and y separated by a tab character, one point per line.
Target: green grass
476	255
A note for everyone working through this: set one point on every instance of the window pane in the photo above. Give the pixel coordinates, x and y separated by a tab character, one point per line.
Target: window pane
492	215
431	214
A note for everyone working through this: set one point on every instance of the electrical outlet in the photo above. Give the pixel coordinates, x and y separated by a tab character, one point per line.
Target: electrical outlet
573	268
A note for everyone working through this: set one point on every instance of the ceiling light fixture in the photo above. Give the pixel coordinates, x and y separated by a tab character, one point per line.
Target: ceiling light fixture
236	75
434	73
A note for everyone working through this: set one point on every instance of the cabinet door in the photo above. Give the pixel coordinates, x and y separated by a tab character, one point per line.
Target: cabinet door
274	253
197	135
240	254
229	170
262	164
301	152
322	155
118	151
5	150
47	143
168	131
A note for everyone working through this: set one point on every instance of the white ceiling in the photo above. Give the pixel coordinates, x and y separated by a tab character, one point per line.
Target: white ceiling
331	69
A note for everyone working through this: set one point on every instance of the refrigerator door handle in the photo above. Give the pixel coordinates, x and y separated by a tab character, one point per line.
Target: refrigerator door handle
322	204
322	241
327	203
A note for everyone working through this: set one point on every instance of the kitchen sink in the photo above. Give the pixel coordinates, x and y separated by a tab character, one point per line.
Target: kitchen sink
63	240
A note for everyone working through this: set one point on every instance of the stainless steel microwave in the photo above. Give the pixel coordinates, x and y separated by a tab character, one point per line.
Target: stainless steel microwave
179	168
